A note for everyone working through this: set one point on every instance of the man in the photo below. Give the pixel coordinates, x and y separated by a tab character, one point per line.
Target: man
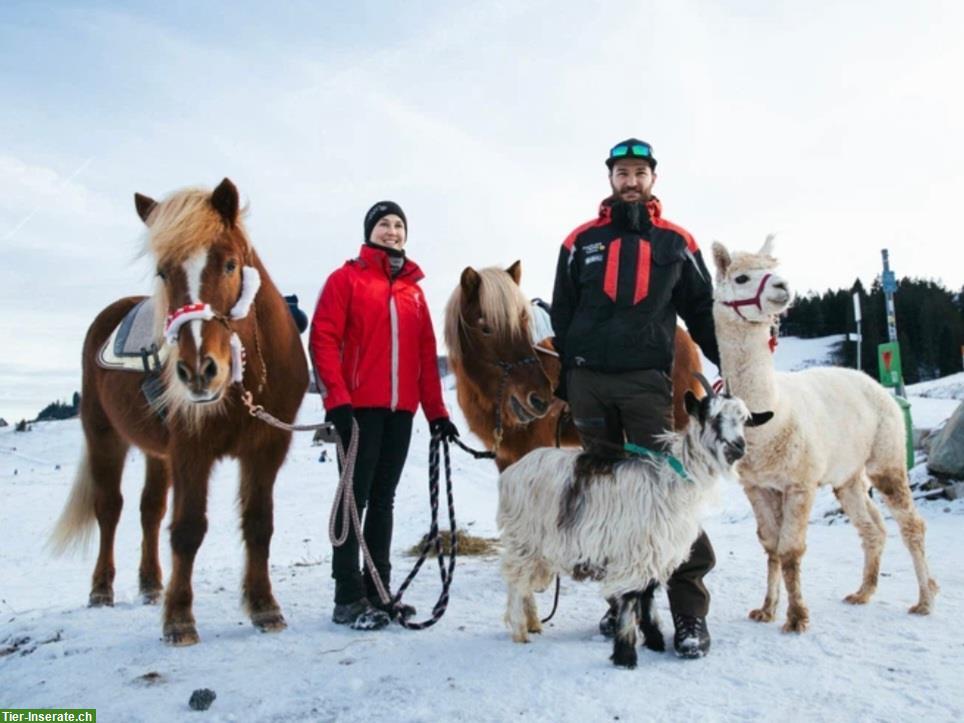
621	281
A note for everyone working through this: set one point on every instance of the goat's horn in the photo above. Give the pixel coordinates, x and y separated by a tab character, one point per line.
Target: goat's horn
705	384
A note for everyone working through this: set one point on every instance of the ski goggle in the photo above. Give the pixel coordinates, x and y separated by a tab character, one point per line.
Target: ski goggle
636	150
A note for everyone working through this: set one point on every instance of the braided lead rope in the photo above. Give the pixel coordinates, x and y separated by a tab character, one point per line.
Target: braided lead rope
256	410
434	539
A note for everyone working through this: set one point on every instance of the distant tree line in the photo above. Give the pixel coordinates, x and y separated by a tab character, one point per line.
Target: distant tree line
930	325
60	410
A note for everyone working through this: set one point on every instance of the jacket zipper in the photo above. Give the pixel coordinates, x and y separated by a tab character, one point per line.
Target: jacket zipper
393	315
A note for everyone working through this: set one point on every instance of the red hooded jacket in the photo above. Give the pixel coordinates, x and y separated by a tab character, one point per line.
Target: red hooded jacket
372	341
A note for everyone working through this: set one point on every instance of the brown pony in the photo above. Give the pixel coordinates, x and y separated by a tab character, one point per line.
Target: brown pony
505	378
214	304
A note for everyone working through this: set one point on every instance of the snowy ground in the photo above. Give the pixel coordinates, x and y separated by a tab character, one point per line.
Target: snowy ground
870	663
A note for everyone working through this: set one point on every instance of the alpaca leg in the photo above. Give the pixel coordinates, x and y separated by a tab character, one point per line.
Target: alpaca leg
258	473
797	503
862	511
624	644
533	623
106	453
515	614
189	524
153	506
648	620
897	495
768	509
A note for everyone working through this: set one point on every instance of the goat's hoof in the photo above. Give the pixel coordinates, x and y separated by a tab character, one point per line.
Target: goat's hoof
761	615
921	608
100	599
269	621
181	634
624	661
858	598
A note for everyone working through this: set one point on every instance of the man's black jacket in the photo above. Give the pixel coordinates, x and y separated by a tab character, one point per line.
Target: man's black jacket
618	291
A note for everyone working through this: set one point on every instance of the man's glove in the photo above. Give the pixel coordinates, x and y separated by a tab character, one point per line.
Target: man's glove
342	418
443	429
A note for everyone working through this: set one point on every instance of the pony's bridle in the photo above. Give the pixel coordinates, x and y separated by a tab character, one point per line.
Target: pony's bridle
754	301
250	283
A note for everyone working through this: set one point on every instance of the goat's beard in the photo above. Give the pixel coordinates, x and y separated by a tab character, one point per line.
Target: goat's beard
631	215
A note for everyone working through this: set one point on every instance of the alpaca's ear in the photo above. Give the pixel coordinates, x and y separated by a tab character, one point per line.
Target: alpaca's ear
721	257
144	206
767	248
470	283
515	271
758	418
692	404
225	201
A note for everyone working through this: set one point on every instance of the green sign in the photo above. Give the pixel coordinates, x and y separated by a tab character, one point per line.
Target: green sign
888	363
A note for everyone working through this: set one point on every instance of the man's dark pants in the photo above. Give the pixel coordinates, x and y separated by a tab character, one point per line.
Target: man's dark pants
636	406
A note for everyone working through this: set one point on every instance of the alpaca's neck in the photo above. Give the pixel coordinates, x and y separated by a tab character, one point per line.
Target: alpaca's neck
746	359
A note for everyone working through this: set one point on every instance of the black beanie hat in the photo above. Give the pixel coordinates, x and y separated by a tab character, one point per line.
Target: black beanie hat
631	148
380	210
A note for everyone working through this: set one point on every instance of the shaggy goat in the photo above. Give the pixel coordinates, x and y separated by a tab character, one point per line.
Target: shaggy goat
626	523
830	426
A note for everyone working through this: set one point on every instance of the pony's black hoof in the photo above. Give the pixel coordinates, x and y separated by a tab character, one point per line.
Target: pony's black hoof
151	597
181	635
270	621
653	640
101	600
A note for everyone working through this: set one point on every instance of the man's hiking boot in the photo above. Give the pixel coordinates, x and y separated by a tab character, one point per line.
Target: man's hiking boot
692	639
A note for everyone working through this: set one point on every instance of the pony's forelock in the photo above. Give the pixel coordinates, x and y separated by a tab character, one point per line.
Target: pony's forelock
501	302
185	223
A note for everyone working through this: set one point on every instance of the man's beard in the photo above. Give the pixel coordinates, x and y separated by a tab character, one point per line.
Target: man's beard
631	215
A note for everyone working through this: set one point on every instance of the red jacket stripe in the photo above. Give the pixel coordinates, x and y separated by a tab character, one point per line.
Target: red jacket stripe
690	241
642	271
612	269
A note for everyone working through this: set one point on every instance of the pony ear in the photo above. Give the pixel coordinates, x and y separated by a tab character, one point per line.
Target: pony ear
225	201
515	271
692	404
767	248
144	206
721	257
470	282
758	418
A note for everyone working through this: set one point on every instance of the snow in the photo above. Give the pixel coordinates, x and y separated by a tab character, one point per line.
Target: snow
873	662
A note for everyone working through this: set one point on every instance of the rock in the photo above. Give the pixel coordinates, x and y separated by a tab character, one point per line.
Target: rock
955	491
3	422
947	450
202	698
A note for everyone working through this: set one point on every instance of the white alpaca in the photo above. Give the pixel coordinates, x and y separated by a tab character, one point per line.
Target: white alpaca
831	426
626	523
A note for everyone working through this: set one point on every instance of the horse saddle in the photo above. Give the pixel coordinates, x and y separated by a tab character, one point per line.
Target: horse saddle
540	325
132	346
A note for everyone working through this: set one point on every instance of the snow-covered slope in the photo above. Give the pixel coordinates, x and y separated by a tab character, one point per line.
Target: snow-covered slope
870	663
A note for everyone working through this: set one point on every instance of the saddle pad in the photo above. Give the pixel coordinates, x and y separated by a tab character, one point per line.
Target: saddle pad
134	334
540	325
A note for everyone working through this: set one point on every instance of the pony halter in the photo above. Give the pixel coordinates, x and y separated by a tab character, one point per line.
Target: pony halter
754	301
250	283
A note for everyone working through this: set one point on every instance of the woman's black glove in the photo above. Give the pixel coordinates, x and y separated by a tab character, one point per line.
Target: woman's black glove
342	418
443	429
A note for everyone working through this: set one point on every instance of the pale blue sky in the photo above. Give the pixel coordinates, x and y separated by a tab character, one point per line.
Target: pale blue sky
835	124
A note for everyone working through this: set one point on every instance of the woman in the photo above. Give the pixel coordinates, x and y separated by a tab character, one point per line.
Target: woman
373	347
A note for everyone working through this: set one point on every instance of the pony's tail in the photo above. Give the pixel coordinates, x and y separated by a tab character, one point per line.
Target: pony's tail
76	523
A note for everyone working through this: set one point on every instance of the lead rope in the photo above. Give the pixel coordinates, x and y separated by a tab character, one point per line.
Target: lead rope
344	502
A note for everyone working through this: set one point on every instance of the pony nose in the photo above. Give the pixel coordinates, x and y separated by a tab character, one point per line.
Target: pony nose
184	373
537	403
209	369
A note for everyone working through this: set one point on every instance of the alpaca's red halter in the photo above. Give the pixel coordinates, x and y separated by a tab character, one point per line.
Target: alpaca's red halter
754	301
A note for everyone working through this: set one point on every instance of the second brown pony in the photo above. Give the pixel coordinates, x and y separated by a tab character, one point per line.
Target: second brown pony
215	304
506	378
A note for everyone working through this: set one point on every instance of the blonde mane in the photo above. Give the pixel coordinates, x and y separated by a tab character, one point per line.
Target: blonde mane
185	223
502	304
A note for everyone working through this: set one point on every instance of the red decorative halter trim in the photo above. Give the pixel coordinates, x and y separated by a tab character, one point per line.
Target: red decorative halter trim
755	301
